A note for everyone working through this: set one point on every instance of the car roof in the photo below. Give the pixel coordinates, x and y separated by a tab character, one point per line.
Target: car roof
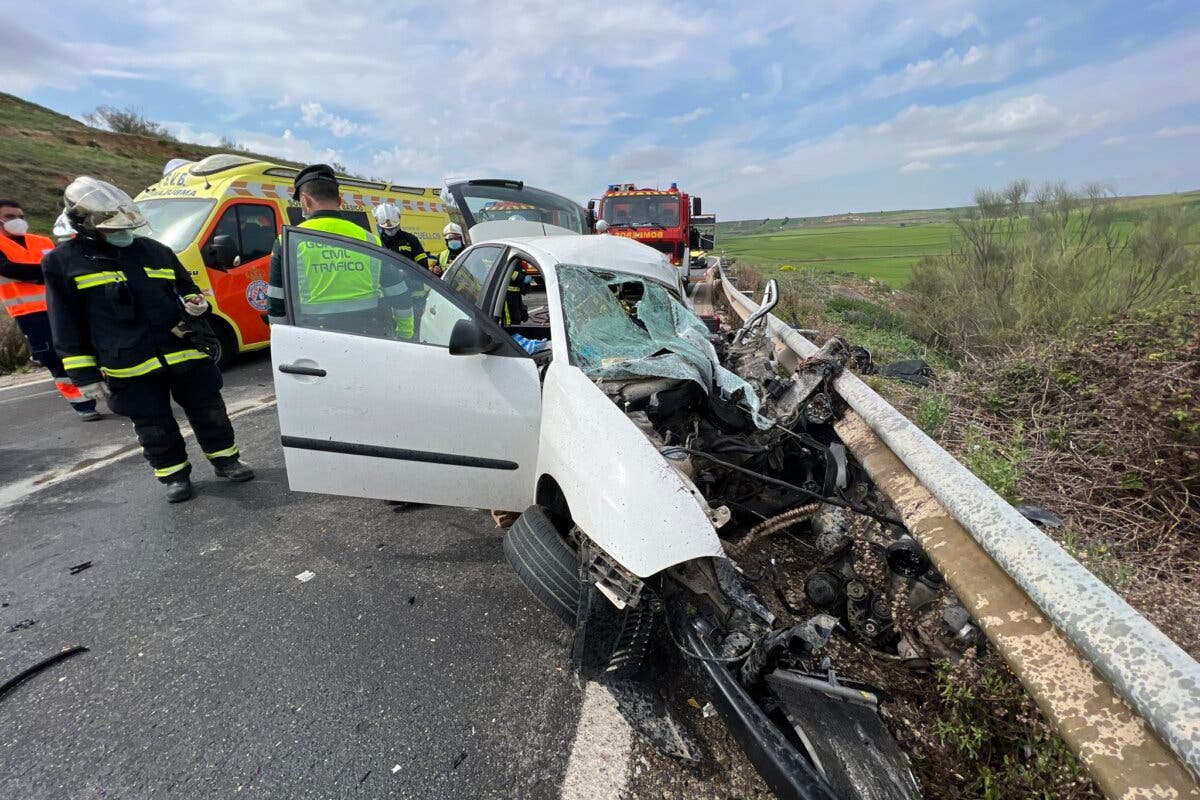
601	251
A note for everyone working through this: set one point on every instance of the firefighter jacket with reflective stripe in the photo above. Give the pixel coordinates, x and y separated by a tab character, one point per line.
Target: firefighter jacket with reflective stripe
406	245
116	310
23	292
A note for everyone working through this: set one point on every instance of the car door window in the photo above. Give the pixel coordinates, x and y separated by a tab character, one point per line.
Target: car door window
340	284
251	228
471	271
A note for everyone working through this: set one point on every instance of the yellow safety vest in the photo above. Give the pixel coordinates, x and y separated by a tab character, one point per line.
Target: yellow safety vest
332	279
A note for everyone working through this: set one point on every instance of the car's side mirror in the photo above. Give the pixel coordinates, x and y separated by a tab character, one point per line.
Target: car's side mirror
695	206
220	253
468	339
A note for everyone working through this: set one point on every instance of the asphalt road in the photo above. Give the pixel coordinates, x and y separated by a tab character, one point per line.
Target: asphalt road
412	665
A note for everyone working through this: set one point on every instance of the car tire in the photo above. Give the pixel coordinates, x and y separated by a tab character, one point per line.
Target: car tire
225	350
544	563
610	642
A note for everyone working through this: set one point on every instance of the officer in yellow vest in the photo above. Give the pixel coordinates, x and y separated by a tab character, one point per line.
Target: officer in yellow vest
355	290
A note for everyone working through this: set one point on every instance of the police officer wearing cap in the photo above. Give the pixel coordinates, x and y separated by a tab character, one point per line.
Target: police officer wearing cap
119	305
376	293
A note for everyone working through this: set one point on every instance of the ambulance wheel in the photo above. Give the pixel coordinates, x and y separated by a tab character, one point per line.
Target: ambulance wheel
225	346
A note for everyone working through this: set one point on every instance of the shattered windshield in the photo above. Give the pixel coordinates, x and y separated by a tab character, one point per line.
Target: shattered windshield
653	211
623	326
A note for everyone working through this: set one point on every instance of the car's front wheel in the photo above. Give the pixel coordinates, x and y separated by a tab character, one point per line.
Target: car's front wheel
608	641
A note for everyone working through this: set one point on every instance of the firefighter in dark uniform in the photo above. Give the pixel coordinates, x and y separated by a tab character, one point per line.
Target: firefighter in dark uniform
452	234
387	217
120	326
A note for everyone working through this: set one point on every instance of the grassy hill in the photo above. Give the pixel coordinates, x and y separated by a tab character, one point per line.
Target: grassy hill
44	151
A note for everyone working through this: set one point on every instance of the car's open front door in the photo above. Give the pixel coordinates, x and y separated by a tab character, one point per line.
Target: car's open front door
373	405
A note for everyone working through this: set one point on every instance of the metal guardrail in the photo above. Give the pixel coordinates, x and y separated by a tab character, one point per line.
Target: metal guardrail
1157	678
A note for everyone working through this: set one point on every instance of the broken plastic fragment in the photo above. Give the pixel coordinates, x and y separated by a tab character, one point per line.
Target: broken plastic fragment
306	576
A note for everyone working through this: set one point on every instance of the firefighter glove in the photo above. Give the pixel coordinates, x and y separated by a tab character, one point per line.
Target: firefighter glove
95	391
195	305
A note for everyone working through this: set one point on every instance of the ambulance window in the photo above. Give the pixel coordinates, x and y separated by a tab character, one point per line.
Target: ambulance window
257	227
251	226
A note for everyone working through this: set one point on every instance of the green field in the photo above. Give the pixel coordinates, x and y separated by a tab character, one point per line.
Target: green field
884	245
885	252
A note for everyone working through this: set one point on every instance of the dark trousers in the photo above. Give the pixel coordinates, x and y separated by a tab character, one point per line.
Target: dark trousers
36	328
196	387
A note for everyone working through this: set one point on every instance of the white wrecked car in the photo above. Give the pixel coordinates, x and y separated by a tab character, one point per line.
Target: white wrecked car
563	374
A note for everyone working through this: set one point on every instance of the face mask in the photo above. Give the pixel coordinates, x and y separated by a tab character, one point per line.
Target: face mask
119	238
16	227
454	244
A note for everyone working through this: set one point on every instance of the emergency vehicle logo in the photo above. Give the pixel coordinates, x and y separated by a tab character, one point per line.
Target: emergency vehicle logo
256	295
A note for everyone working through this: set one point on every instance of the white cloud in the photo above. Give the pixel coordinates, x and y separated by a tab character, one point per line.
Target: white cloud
315	116
570	96
1179	132
959	26
691	116
915	166
288	146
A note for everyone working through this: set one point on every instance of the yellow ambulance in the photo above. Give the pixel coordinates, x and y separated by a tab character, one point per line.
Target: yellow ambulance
221	215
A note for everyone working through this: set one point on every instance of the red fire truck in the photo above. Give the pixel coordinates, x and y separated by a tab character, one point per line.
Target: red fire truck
661	218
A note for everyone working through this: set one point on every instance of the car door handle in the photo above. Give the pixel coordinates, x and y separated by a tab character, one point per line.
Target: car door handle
297	369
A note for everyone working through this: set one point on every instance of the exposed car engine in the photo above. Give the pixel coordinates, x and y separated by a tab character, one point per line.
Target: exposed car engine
814	551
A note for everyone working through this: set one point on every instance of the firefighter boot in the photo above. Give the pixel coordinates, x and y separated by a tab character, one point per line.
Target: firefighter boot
180	490
233	469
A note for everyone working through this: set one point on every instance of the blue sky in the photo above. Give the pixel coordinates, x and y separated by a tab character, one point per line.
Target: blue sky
767	109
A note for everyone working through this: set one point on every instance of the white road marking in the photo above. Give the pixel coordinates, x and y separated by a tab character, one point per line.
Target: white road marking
26	397
598	768
101	457
14	382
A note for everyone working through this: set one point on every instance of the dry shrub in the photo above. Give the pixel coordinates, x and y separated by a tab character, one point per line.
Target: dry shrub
1110	436
1047	266
14	353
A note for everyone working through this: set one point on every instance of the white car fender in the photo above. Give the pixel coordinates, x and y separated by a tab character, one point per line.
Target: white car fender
621	491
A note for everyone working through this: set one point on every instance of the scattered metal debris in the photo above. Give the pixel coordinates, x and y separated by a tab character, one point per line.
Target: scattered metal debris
78	568
1040	516
22	625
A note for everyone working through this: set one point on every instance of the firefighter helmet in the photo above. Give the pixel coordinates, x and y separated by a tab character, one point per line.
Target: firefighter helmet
91	204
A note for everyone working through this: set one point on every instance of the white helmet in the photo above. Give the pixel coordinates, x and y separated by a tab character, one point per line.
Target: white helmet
95	205
452	229
387	216
601	226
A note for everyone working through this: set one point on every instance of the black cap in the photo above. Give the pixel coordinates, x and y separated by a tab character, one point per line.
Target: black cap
313	172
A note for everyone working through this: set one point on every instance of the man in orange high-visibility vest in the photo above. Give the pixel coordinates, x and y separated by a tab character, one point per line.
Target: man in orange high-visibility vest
23	293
